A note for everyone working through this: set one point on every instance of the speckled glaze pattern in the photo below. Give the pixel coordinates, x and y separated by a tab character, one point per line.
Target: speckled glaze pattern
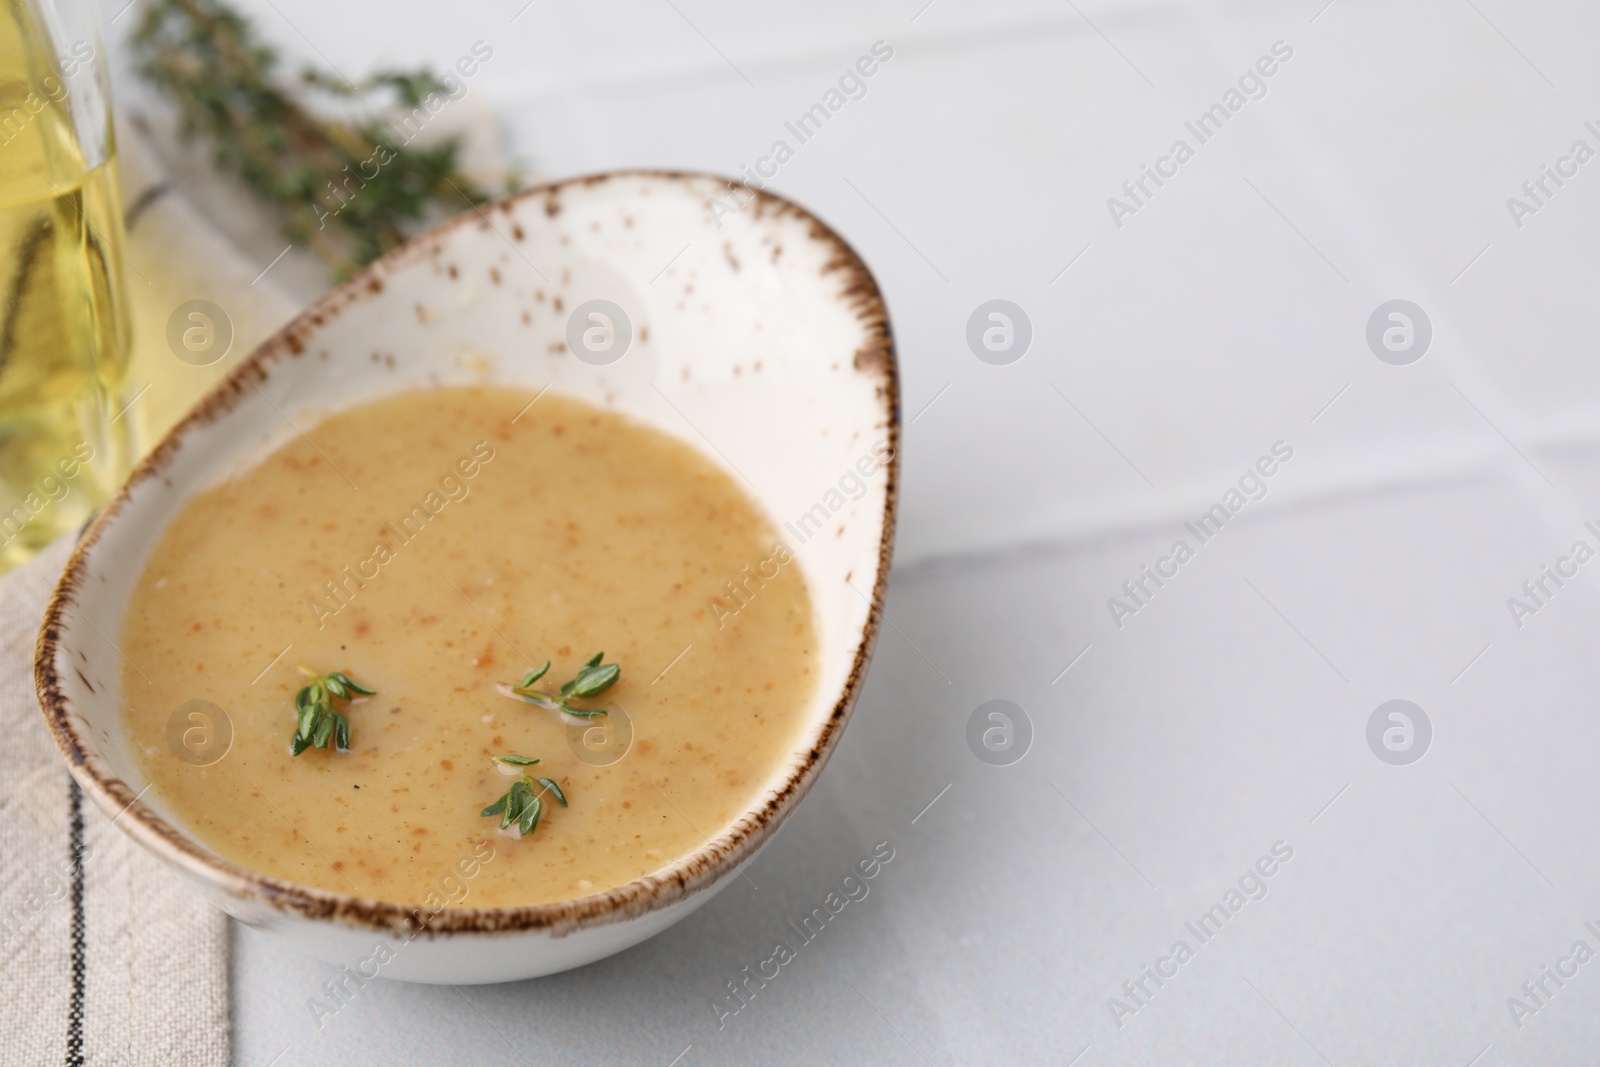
759	337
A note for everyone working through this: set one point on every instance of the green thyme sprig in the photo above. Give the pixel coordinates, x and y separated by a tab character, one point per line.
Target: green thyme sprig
349	188
318	722
593	678
520	805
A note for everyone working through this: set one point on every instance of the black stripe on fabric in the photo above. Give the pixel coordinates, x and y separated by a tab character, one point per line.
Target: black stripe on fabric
75	1009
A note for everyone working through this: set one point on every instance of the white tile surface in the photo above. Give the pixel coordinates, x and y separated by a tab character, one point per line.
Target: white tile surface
1224	716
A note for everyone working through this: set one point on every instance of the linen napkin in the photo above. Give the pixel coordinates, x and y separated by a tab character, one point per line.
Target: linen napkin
108	958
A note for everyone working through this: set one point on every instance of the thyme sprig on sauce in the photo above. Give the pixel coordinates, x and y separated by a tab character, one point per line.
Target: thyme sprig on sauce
593	678
319	724
521	806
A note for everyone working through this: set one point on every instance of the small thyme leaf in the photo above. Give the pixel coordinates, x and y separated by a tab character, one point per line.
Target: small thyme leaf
582	713
317	723
534	675
530	816
354	687
555	790
515	760
514	801
594	677
496	808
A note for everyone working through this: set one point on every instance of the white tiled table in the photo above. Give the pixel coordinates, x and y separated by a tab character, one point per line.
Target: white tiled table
1230	712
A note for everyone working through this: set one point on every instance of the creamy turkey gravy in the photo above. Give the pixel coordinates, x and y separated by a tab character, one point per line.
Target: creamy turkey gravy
431	545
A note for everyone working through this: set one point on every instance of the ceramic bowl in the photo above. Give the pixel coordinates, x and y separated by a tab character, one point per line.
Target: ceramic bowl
727	317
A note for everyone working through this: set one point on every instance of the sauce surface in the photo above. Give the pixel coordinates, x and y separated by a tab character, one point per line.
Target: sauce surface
431	545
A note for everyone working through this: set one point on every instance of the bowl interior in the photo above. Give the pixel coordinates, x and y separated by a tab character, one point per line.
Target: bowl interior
753	334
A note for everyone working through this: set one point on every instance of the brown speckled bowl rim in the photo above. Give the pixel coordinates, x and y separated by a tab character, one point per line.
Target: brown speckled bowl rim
713	861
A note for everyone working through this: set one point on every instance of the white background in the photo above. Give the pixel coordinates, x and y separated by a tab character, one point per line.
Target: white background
1224	316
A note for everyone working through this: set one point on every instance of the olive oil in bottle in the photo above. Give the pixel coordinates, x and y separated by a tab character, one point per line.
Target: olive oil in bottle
63	322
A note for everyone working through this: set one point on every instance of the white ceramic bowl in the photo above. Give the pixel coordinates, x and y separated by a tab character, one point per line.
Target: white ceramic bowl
757	335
